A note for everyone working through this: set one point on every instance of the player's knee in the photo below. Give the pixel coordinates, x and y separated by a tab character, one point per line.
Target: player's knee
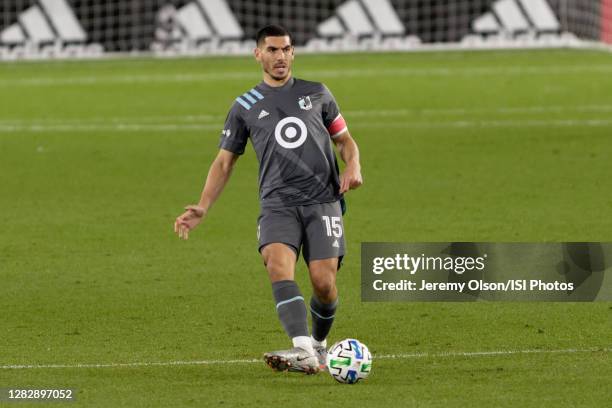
279	262
326	293
279	268
324	287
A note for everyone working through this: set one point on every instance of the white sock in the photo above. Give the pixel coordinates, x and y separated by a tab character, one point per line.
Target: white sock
303	342
317	343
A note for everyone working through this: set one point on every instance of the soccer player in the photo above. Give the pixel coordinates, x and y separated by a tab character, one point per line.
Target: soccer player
292	124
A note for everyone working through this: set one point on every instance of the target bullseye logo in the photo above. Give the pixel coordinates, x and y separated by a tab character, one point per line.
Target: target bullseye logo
290	132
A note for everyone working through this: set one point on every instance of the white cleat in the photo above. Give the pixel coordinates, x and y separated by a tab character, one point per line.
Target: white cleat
296	359
321	354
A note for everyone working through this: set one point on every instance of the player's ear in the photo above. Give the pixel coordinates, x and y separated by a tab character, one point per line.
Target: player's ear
257	53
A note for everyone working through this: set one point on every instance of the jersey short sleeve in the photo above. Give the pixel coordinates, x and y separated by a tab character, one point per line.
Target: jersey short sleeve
330	109
332	119
235	132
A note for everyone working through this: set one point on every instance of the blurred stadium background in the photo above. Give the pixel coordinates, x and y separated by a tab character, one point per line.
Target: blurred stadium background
98	155
30	28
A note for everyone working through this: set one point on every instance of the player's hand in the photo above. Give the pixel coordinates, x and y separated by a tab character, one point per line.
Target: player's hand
187	221
350	179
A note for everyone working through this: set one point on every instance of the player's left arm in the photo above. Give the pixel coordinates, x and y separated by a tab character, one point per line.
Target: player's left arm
349	152
338	131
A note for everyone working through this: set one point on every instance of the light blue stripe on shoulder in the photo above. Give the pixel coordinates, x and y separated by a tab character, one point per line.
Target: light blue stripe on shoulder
257	94
249	98
293	299
244	104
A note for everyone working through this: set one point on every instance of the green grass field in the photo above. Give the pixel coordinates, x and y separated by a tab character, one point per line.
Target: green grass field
98	158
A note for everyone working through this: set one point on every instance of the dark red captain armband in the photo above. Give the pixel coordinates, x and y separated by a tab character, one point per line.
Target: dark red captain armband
337	127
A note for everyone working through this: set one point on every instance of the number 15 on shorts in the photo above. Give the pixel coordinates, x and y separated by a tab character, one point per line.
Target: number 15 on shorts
333	226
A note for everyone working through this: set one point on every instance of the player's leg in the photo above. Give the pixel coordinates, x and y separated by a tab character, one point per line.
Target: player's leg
323	303
280	262
280	236
323	251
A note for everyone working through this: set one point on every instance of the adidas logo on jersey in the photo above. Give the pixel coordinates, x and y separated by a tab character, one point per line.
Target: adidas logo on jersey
262	114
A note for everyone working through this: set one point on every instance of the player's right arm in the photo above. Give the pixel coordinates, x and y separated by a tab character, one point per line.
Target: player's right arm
232	143
218	176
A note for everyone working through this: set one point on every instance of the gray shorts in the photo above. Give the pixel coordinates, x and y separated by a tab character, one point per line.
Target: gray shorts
316	228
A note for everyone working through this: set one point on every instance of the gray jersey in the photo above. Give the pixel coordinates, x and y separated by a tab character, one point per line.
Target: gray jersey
291	128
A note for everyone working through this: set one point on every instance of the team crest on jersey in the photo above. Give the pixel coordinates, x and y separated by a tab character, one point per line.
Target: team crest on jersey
305	103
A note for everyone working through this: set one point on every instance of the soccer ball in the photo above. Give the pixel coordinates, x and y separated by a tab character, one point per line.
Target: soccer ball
349	361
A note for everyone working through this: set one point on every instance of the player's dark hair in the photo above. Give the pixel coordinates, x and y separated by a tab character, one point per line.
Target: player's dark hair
272	31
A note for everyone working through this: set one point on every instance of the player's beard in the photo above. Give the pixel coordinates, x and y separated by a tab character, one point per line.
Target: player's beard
275	77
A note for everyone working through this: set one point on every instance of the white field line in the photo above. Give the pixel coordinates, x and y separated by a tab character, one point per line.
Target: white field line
469	354
160	119
217	119
119	127
178	127
339	73
511	110
468	124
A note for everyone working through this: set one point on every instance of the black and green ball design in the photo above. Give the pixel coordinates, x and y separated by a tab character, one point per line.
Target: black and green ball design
349	361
